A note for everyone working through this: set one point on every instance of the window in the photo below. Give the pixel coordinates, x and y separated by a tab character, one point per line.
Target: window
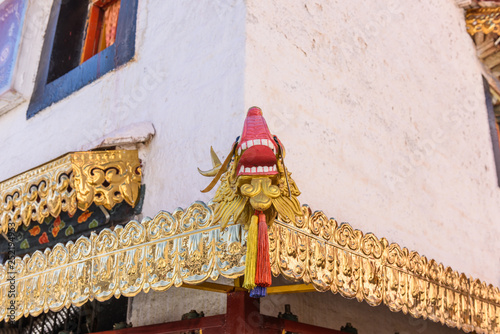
84	40
101	31
69	33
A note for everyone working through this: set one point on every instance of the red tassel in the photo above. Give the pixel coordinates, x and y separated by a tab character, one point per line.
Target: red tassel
263	272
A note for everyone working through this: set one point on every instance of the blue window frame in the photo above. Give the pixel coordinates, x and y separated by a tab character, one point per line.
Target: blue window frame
123	50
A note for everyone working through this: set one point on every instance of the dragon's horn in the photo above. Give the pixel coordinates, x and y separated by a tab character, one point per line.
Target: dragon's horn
222	169
215	164
281	148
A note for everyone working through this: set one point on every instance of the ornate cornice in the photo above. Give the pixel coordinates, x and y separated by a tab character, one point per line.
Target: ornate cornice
335	257
158	253
70	182
485	20
186	247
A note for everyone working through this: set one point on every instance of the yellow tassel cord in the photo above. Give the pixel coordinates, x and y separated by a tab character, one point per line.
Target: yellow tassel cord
251	258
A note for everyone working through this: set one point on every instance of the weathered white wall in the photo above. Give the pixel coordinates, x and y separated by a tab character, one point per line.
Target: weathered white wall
381	107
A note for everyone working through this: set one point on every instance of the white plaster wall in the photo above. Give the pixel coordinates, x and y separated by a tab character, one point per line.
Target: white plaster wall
380	105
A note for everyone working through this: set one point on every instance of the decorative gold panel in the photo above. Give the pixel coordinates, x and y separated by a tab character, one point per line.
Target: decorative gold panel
342	260
484	20
74	180
168	250
187	248
106	178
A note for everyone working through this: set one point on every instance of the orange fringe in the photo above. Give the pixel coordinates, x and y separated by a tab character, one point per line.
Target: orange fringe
263	271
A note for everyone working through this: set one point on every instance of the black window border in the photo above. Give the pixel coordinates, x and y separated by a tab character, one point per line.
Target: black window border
121	52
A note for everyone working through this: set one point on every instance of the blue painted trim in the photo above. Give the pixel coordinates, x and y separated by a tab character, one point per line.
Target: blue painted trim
122	51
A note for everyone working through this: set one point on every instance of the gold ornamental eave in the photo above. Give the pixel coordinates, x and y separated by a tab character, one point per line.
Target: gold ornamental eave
73	181
186	247
485	20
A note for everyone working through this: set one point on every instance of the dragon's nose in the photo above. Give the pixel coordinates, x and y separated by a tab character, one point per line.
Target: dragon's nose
254	111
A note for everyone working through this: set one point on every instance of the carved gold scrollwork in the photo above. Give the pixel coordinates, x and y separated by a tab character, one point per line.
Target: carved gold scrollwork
185	247
37	194
169	250
486	20
74	180
106	178
361	266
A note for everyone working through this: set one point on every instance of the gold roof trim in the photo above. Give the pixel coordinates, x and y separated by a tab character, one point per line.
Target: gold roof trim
67	183
338	258
158	253
187	248
485	20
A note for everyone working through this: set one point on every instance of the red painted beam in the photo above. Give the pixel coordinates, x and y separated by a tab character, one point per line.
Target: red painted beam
243	314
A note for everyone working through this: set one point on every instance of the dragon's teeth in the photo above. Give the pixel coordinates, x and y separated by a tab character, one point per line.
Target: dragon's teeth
244	146
266	169
242	169
264	142
256	141
247	170
274	168
249	143
254	170
239	151
260	169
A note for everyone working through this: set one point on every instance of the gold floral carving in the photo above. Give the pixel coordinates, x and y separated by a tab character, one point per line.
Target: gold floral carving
339	259
74	180
485	20
186	247
106	178
36	194
168	250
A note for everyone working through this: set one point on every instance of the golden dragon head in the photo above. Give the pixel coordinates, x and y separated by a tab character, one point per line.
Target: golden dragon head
253	177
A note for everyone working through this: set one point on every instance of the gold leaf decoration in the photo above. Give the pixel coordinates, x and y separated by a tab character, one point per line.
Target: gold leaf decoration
74	180
169	250
187	247
36	194
485	20
361	266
